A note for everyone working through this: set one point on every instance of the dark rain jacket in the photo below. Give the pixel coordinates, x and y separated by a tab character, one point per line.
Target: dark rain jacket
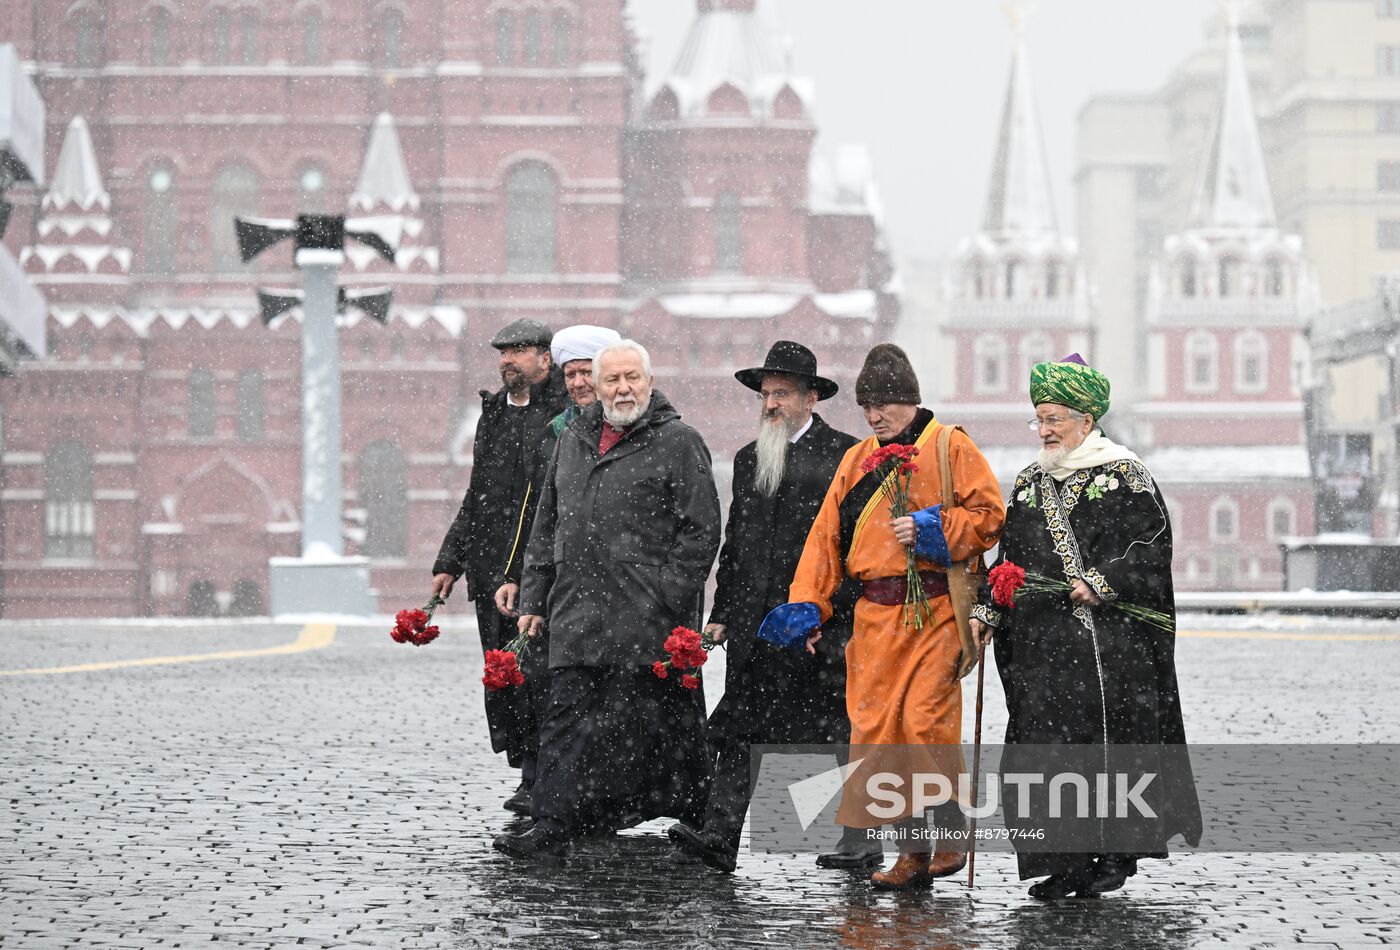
483	536
622	543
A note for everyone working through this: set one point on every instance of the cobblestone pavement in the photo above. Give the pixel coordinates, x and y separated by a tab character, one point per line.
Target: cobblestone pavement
344	796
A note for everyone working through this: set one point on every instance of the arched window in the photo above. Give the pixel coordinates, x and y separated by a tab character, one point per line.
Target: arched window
1283	519
1202	358
69	516
976	286
560	47
533	40
251	414
1229	277
505	38
1054	276
202	600
311	189
221	36
236	191
989	364
391	37
1273	277
384	496
247	599
1035	348
85	37
1186	276
248	36
1224	520
530	200
1011	287
311	37
1251	363
159	18
200	412
729	234
162	220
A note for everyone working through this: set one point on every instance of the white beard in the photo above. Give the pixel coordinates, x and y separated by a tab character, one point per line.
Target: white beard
1051	458
772	449
627	417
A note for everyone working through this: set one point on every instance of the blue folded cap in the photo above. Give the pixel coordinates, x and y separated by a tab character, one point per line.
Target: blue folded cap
789	625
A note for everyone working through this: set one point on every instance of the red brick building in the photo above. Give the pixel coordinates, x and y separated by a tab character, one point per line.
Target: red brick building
151	464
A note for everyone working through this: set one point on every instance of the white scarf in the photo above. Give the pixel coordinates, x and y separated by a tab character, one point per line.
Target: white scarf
1096	449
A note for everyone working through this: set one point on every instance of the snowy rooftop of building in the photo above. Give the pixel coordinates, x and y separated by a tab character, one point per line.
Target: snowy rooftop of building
1183	464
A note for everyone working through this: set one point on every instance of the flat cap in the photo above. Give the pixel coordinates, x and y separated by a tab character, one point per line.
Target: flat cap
522	332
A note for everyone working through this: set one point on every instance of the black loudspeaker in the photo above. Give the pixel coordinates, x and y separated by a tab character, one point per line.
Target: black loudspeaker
320	231
374	301
274	303
256	235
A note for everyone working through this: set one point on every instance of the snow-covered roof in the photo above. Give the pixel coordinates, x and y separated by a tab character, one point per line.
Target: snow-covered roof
451	319
77	183
384	181
844	185
731	45
1233	191
859	304
738	306
1228	463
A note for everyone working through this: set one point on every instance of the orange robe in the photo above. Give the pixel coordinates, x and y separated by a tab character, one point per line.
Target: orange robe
902	687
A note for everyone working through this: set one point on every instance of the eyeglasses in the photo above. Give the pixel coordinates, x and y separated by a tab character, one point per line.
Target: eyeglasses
782	395
1053	422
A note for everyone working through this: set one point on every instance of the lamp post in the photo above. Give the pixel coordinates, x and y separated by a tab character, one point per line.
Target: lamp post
322	579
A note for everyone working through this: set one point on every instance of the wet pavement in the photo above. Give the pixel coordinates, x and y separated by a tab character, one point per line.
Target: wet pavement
343	795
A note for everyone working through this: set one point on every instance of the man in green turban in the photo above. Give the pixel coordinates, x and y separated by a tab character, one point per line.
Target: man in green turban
1077	668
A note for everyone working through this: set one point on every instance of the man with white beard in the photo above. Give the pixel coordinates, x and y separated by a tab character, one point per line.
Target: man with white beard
623	540
771	695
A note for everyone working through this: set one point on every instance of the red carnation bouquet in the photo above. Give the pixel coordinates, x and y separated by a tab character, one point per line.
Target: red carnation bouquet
686	650
503	666
411	626
1009	580
896	468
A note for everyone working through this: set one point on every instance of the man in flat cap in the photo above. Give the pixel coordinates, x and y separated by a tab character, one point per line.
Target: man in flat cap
484	538
772	695
1090	667
903	693
572	350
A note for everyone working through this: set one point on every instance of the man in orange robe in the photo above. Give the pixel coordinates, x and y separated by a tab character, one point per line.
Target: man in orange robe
902	688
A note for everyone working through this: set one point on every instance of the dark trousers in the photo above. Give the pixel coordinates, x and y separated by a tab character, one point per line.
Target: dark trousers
513	715
618	745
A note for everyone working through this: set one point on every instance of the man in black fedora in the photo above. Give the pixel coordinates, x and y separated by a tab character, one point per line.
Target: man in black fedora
771	695
483	540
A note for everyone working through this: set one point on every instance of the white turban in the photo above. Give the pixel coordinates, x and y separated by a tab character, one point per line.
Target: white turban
580	342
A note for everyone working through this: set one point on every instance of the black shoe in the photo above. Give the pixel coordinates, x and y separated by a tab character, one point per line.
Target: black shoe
705	845
520	801
856	852
1111	873
533	845
1059	886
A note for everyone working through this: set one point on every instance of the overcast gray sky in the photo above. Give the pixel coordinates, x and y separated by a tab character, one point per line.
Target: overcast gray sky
921	83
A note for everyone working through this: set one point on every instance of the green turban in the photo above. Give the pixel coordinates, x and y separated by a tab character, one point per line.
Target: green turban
1071	382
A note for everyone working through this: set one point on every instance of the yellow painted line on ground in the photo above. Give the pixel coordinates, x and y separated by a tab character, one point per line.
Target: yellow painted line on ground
1283	635
313	636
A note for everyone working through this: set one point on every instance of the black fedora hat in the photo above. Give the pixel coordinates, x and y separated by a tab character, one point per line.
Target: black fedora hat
793	359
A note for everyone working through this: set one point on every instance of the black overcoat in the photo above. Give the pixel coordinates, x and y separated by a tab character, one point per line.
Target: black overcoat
482	537
1083	675
622	543
774	695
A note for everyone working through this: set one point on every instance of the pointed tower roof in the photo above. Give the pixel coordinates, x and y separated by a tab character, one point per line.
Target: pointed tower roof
1233	192
77	184
730	44
384	181
1020	201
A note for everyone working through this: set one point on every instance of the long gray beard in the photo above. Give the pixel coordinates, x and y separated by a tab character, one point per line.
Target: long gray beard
772	449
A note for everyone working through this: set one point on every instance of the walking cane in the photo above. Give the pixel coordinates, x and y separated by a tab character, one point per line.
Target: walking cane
976	762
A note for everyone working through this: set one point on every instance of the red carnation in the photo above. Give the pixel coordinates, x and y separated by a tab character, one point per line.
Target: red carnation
1007	578
659	668
690	682
426	635
502	670
686	648
908	468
